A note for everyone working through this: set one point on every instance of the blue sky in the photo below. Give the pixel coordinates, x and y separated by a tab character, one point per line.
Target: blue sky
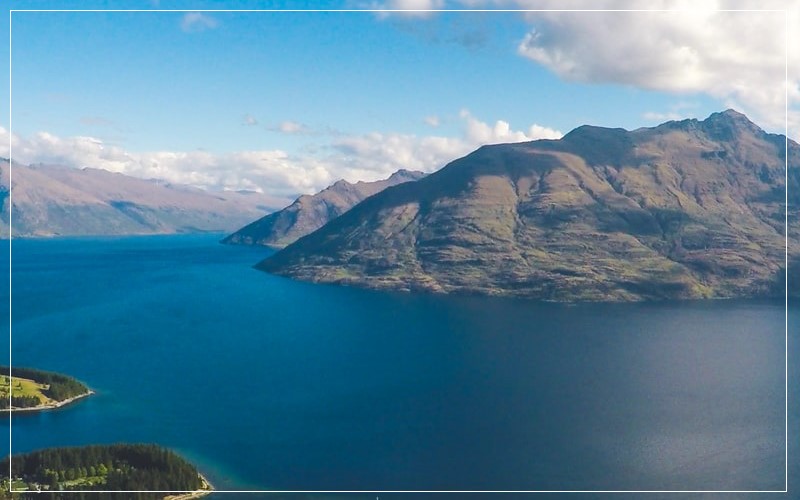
288	102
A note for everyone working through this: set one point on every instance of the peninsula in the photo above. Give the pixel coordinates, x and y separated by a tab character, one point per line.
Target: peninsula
35	390
151	470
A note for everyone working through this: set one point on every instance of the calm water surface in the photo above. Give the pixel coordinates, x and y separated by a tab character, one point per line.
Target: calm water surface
267	383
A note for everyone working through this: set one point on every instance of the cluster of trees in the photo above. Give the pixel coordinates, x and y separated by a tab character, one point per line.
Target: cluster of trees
131	467
19	401
60	387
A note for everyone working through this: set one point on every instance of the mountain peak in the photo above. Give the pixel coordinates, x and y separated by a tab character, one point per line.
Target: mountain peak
731	113
407	174
728	125
310	212
730	116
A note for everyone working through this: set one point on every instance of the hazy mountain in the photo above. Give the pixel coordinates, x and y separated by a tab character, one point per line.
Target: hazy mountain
688	209
54	200
310	212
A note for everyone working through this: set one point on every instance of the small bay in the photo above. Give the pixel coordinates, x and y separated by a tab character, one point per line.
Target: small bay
268	383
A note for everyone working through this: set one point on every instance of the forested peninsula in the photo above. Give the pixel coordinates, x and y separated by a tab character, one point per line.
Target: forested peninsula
33	390
142	471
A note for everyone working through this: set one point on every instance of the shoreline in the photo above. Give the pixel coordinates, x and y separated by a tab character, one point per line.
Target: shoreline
206	488
50	406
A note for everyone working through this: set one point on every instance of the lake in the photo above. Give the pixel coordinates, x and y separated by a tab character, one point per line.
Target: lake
268	383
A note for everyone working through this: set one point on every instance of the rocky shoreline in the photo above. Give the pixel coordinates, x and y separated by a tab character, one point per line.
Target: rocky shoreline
206	489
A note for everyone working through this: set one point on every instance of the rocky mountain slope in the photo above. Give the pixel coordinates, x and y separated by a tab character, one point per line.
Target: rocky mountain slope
688	209
53	200
310	212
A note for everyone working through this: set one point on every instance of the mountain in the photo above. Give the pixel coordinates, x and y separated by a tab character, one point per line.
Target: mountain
687	209
310	212
55	200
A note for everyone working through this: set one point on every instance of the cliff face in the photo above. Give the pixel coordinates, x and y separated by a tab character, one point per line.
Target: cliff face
310	212
688	209
53	200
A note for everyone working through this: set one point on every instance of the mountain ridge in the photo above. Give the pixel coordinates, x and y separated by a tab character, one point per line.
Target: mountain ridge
310	212
689	209
53	200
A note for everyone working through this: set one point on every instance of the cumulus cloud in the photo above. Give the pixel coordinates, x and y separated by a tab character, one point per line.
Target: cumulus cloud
478	132
194	22
676	46
270	171
366	157
376	155
736	57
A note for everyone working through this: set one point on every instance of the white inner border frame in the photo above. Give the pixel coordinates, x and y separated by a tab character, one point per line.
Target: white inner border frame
786	242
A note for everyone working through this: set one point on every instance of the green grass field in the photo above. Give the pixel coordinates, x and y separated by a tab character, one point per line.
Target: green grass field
23	387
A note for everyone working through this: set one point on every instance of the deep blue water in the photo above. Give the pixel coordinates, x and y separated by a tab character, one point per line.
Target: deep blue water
267	383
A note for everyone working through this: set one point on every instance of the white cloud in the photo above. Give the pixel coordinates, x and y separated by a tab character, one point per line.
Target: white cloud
478	132
676	46
736	57
194	22
275	172
408	8
249	120
376	155
433	121
292	128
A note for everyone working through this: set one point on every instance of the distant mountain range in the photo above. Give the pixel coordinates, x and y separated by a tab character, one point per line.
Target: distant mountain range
687	209
55	200
310	212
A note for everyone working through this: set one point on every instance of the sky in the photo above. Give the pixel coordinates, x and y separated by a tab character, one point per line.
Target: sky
289	102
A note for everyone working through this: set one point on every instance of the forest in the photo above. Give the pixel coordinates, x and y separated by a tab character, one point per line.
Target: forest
119	467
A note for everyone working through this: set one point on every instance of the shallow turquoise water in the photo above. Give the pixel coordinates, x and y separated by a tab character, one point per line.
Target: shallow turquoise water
267	383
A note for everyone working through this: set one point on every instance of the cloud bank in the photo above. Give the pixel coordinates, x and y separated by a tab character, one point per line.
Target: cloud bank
676	46
365	157
739	58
